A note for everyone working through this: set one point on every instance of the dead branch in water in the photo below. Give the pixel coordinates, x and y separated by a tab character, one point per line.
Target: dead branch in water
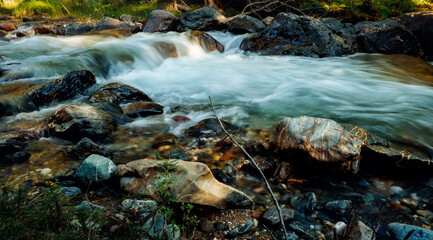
268	6
268	187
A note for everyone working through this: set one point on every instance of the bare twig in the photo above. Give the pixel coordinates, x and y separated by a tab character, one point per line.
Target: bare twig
268	187
269	6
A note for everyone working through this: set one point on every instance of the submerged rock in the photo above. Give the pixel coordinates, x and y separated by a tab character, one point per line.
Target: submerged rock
95	168
86	147
75	122
119	93
161	21
193	183
203	19
142	109
63	88
245	24
400	231
209	127
290	34
167	50
12	146
207	42
420	25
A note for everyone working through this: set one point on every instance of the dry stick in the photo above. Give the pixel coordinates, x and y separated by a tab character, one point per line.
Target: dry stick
268	187
64	7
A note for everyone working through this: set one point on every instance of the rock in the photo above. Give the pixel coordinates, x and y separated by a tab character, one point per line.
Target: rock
66	87
14	98
126	18
339	228
85	205
193	183
207	225
95	168
167	50
12	145
178	119
271	215
245	24
387	36
8	27
75	122
157	228
400	231
161	21
86	147
209	127
5	18
360	232
318	139
110	23
339	208
290	34
241	229
395	190
142	109
203	19
119	93
142	206
3	33
345	30
268	20
207	42
420	25
43	29
69	191
78	28
304	203
164	139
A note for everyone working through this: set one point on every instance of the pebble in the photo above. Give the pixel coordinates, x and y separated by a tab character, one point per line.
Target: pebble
368	197
45	171
409	202
395	190
339	227
424	213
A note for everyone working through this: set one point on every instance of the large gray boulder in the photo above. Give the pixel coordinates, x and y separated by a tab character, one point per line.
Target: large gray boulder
420	24
161	21
95	168
203	19
399	231
245	24
193	182
290	34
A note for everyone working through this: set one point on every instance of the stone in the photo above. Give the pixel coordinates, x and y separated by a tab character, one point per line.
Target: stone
193	183
161	21
86	147
119	93
142	109
203	19
395	190
74	122
360	231
207	225
125	18
95	168
388	37
339	228
142	206
8	27
305	203
167	50
318	139
110	23
290	34
209	127
268	20
44	29
3	33
13	144
419	24
85	205
78	28
339	208
164	139
157	228
206	41
66	87
245	24
400	231
271	215
69	191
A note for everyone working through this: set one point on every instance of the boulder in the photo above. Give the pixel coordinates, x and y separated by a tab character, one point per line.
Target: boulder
420	25
209	127
206	41
245	24
167	50
78	28
8	27
66	87
75	122
203	19
388	37
110	23
119	93
96	169
86	147
290	34
400	231
193	182
88	206
161	21
142	109
69	191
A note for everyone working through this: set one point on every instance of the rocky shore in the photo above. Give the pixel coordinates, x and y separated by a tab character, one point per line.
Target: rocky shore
334	180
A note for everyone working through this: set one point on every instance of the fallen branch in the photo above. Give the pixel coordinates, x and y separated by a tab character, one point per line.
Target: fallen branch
268	187
269	6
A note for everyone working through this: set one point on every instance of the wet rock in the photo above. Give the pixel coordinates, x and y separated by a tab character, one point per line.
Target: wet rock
148	129
420	25
345	30
339	208
395	190
69	191
95	168
110	23
167	50
142	109
209	127
43	29
207	42
3	33
290	34
256	148
86	147
78	28
8	27
119	93
360	232
268	20
63	88
75	122
12	146
245	24
193	183
164	139
85	205
400	231
305	203
318	139
203	19
178	119
161	21
271	215
387	36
